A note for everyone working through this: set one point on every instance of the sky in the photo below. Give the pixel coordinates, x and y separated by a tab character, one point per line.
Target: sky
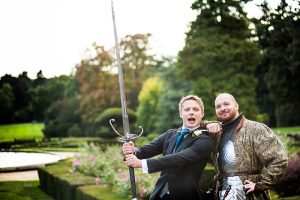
52	35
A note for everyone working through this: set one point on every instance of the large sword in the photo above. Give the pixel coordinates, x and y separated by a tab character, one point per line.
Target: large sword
126	137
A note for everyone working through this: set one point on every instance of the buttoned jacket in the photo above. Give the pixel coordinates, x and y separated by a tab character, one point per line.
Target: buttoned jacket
181	169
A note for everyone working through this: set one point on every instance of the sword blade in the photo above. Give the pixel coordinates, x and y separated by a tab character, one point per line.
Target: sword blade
123	102
121	80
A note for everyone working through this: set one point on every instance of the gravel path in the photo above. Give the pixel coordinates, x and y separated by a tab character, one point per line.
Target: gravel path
29	175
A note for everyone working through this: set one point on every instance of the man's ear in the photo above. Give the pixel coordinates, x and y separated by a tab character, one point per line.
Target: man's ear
237	106
180	115
202	114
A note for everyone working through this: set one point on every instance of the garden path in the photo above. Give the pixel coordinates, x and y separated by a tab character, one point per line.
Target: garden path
28	175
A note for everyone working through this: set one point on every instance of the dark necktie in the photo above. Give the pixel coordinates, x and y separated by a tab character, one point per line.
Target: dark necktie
180	137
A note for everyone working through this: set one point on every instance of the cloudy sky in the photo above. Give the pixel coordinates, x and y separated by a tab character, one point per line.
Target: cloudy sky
52	35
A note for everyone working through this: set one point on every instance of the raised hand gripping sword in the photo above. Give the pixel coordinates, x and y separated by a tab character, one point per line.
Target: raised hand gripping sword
127	136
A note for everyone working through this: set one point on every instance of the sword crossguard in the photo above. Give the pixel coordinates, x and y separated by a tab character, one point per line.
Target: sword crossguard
127	137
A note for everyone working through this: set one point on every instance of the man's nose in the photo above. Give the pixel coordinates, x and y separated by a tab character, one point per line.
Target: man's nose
192	112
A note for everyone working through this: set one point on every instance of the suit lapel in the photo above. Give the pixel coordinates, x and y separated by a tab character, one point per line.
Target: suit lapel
173	141
185	142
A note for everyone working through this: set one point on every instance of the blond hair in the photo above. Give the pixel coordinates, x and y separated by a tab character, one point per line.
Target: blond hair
191	97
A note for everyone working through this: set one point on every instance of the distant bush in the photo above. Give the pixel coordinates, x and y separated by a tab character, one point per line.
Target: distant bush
74	130
145	139
263	118
113	113
290	182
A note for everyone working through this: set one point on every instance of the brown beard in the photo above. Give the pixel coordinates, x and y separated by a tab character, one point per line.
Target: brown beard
227	118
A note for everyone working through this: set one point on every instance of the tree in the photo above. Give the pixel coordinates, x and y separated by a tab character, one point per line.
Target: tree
174	88
98	84
6	104
20	88
62	118
220	55
278	33
148	102
137	63
40	79
44	95
99	87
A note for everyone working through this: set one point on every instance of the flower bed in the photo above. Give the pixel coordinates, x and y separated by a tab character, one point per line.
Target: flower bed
109	169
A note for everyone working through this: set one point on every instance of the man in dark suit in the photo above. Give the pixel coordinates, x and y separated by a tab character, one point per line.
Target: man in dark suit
185	154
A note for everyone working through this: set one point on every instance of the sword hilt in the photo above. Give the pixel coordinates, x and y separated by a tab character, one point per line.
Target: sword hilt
127	137
132	183
123	139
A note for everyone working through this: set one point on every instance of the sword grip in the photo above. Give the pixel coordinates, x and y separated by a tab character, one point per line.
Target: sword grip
132	183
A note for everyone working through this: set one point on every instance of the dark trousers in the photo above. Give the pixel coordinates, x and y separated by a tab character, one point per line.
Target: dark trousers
165	197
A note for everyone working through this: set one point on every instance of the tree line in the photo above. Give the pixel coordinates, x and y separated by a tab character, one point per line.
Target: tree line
255	59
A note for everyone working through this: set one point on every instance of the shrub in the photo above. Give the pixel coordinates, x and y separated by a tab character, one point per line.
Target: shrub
263	118
74	130
113	113
289	184
109	168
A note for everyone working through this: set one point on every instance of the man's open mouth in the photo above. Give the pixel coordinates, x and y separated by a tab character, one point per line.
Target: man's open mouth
191	119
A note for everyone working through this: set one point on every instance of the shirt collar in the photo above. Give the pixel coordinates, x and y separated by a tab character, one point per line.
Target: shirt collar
191	129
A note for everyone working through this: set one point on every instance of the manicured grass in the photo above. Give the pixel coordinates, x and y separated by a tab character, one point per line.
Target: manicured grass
22	190
286	130
9	133
101	193
292	146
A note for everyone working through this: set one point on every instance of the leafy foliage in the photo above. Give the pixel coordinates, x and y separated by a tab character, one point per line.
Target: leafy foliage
174	88
18	97
137	63
278	33
99	86
43	96
216	55
148	103
6	103
113	113
62	118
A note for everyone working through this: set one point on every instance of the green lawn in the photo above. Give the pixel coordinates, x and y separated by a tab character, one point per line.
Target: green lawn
286	130
8	133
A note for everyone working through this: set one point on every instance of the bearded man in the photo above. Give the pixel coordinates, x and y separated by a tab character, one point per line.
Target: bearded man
249	156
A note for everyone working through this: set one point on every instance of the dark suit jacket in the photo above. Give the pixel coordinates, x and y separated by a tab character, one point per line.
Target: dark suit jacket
182	169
